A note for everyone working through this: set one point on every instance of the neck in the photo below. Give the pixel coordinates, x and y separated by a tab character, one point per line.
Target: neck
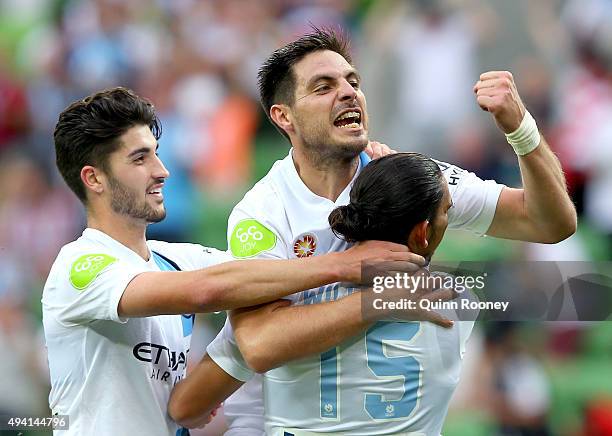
122	229
325	178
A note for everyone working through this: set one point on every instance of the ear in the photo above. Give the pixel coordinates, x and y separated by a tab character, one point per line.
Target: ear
417	239
92	179
281	115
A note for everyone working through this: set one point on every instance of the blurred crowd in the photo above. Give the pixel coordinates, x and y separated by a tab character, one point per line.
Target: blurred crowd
197	61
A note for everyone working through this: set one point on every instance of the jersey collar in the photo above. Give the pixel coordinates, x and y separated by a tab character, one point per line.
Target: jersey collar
300	188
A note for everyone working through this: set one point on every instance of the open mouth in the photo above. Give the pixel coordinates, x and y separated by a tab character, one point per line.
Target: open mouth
348	120
155	190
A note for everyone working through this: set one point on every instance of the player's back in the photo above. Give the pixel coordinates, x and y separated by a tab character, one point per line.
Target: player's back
396	377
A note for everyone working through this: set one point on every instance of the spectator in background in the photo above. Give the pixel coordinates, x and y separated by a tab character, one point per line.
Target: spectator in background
585	110
36	218
516	372
432	50
14	121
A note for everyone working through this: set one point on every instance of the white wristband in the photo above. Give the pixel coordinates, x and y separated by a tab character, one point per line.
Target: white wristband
526	138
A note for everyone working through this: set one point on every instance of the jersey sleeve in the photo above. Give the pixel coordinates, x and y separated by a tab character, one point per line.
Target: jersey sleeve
251	233
87	287
224	351
474	199
255	227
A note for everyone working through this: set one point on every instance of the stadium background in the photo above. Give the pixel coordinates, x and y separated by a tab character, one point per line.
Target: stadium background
197	61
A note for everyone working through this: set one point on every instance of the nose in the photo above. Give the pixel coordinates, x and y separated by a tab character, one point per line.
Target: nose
347	91
161	172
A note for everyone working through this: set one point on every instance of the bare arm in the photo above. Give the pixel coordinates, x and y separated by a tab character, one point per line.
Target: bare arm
541	211
195	397
238	284
306	330
314	328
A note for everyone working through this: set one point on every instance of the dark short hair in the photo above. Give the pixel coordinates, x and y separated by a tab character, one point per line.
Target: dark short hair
389	197
276	78
88	131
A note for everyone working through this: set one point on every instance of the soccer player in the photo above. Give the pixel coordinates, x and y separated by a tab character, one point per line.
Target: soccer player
118	309
412	191
397	377
311	92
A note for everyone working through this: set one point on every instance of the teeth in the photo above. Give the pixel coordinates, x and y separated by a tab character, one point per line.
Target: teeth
348	115
350	126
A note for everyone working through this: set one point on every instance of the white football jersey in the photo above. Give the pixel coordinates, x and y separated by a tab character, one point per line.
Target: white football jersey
108	374
342	390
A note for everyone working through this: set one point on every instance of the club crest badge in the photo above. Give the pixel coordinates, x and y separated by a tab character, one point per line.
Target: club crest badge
305	245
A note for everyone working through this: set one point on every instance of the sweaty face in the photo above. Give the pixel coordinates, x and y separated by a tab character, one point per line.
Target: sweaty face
136	177
329	111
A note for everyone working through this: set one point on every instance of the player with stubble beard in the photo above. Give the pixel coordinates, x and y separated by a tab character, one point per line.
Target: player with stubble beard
311	92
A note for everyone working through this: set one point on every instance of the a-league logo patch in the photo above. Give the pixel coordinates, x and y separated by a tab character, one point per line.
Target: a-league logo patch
305	245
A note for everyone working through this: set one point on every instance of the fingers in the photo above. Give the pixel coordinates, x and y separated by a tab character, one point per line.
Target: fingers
208	419
496	74
378	149
496	93
438	319
398	259
382	245
493	86
392	268
486	103
393	252
441	295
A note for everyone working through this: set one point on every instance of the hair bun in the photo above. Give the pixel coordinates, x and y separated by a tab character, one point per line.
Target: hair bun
348	221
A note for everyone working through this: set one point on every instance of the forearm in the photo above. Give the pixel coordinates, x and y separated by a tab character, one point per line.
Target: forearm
546	199
540	212
193	398
237	284
548	209
226	286
249	283
306	330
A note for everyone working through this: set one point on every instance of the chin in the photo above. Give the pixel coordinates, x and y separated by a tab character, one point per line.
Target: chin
157	216
356	146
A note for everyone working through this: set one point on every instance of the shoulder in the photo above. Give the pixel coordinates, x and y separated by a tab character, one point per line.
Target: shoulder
78	266
189	256
80	260
259	220
263	202
263	195
452	173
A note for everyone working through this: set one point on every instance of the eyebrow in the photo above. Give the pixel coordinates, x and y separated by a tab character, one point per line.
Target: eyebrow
326	77
142	150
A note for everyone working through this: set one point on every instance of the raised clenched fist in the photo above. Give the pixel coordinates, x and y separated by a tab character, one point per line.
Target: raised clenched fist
496	93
